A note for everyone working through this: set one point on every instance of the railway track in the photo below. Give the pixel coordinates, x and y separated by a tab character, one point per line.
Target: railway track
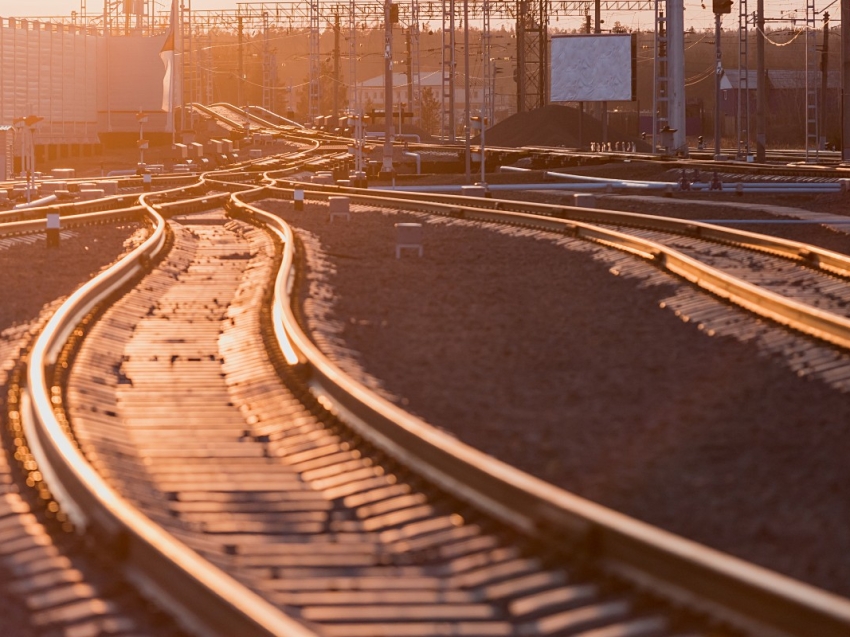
280	489
264	486
633	233
54	582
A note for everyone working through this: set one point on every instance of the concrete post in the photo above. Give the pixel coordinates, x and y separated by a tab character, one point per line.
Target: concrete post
676	73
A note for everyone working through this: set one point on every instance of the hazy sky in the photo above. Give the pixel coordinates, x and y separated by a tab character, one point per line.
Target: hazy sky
695	15
64	7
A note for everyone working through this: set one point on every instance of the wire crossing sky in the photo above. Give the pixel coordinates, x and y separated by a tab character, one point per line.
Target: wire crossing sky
695	15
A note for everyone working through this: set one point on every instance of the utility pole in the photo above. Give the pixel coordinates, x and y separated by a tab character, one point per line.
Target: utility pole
761	82
720	7
676	75
181	51
409	63
603	106
466	92
717	73
581	104
336	67
845	79
387	166
189	56
241	62
824	67
449	70
354	97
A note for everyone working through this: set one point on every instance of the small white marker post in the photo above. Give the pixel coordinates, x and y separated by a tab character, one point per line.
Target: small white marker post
142	143
338	208
584	200
298	199
53	225
408	235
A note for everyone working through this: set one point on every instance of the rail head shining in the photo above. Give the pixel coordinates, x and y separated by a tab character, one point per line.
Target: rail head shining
749	596
204	599
582	223
440	203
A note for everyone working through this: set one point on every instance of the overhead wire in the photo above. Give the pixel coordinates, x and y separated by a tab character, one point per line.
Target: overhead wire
767	39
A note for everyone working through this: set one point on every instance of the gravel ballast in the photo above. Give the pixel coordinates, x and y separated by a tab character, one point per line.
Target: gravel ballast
33	276
527	347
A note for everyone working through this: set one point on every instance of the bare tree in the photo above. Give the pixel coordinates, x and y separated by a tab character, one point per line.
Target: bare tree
430	107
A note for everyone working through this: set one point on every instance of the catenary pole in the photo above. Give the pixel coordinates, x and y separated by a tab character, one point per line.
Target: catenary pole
717	72
466	92
845	80
761	85
387	166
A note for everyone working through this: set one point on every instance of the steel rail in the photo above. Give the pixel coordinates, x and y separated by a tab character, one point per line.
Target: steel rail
82	219
288	122
206	110
173	179
103	203
798	316
796	187
749	596
248	115
204	599
71	208
813	256
34	219
752	597
632	549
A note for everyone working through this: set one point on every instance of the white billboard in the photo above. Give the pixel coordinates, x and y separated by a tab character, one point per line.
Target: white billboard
593	68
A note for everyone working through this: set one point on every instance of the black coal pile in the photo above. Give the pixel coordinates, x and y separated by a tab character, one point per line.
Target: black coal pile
555	125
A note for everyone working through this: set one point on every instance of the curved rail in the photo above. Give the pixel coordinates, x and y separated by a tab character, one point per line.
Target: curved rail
210	601
749	596
284	120
82	219
828	260
204	599
579	222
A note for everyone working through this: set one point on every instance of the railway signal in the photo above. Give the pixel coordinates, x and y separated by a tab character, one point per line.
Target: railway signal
141	143
719	7
28	150
480	122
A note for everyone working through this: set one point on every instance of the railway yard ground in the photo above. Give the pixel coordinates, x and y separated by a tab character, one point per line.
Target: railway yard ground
714	437
599	373
35	555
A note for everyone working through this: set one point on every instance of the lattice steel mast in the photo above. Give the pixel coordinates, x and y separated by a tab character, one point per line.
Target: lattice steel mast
532	54
314	88
812	136
743	118
487	104
449	69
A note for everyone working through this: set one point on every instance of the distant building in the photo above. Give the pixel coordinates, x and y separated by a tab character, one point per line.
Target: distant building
372	91
784	89
7	160
87	86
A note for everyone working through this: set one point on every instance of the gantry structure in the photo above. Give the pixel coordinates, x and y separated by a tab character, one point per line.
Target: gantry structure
530	17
